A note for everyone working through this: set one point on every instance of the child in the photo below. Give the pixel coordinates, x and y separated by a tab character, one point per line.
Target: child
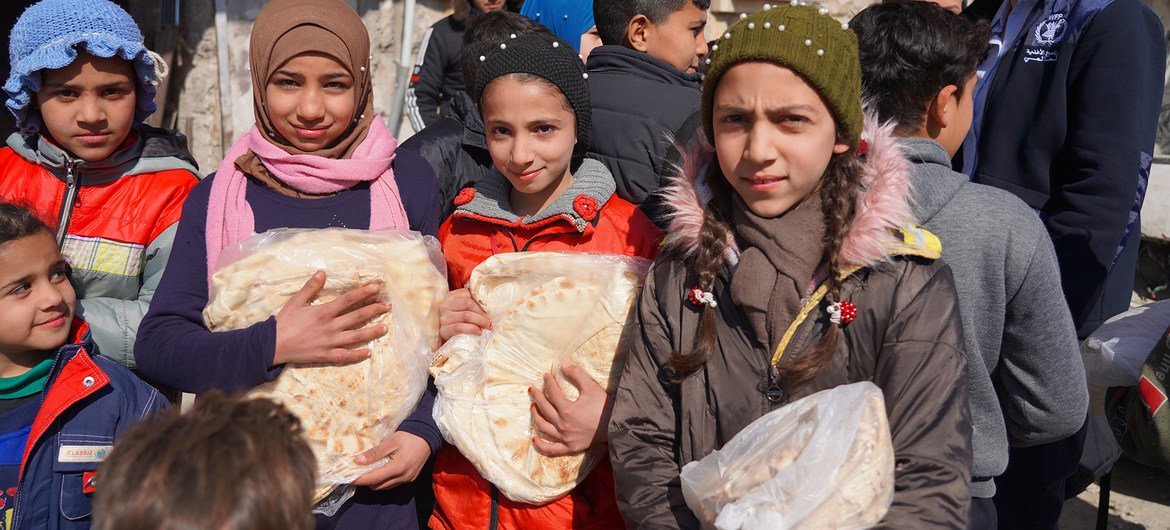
800	274
544	195
454	145
227	464
61	404
318	157
437	76
645	84
80	86
1025	377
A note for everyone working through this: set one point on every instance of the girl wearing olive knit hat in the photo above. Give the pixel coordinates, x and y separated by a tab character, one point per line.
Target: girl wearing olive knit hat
802	271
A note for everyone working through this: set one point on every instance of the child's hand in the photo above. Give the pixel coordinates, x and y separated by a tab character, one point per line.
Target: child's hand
460	313
408	453
327	333
565	427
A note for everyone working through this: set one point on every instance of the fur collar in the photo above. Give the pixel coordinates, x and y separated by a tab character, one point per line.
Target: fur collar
883	210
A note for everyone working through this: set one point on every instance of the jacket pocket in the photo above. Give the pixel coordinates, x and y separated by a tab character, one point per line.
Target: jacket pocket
77	458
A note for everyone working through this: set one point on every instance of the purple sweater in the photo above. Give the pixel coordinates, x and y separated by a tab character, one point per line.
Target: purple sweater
175	350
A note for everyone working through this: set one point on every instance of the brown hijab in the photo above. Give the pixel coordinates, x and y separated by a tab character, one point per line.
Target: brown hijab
287	28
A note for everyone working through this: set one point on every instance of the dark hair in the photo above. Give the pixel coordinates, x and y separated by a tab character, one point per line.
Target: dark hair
839	189
231	464
17	222
910	50
613	16
486	32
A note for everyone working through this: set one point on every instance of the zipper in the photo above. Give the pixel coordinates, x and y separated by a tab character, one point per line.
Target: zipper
53	373
72	185
494	522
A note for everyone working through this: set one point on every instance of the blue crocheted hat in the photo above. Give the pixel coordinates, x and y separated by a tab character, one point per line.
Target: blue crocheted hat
48	36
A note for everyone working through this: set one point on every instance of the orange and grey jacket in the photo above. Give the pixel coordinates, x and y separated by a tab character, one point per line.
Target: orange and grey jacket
114	220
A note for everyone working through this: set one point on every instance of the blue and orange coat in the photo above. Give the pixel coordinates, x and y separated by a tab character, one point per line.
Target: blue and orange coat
588	217
119	217
88	401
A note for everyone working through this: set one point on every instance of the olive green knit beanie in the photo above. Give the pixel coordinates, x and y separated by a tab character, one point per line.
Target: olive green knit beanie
801	37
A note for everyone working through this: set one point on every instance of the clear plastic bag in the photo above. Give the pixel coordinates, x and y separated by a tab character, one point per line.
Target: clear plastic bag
345	408
546	309
825	461
1115	352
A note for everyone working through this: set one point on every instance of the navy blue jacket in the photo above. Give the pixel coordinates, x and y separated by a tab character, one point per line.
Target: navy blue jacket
1069	128
638	104
88	401
455	148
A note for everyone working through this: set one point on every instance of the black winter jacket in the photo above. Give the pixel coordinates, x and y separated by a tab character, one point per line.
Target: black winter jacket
454	146
437	76
638	104
1069	128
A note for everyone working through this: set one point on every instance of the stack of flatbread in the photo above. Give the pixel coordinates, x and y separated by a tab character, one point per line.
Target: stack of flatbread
825	461
546	309
345	408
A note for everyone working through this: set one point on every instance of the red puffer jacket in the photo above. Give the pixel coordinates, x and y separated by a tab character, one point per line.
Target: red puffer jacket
588	217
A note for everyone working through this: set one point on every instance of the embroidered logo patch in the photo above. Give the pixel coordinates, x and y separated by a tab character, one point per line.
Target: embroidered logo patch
83	453
1051	30
1045	38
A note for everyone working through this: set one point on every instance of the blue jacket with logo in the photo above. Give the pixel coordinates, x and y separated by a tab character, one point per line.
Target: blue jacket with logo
1069	128
87	402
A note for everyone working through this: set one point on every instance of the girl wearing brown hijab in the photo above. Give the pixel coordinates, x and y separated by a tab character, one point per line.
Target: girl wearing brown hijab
319	156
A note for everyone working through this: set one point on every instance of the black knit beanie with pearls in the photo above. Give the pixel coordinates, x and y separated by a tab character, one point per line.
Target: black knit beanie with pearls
548	58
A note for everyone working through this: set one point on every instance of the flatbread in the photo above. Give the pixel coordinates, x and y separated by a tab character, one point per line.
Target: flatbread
344	408
546	309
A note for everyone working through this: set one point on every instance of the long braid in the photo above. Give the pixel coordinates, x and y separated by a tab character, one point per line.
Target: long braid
709	261
839	193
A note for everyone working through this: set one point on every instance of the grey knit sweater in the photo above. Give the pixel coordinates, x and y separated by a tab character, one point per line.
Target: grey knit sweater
1026	381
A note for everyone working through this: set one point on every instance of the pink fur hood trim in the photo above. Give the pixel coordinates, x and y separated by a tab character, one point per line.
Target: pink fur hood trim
882	209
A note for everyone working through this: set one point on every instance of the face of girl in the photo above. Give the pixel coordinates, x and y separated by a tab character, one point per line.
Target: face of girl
310	100
774	135
88	107
530	134
36	298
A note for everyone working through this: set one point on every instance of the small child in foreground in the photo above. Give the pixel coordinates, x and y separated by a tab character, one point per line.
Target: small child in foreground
228	464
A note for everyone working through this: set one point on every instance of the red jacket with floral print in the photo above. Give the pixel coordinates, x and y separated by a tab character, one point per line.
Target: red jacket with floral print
588	217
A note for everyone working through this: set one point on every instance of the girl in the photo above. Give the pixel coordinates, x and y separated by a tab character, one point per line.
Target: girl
800	274
543	195
80	86
61	404
319	156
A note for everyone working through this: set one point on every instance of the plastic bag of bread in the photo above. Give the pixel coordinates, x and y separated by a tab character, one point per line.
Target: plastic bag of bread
345	408
825	461
546	309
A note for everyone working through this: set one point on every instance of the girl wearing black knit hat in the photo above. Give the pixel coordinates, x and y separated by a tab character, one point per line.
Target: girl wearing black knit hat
544	195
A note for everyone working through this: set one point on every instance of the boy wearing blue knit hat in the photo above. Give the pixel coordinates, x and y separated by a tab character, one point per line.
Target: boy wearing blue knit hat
112	187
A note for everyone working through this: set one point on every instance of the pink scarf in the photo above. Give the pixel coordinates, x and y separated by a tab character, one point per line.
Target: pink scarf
230	219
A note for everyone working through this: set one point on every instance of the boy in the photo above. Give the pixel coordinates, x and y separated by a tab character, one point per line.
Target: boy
1025	378
228	464
645	83
61	404
454	145
81	84
437	73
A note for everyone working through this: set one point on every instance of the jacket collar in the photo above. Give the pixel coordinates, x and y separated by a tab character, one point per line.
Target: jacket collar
882	225
463	109
74	377
580	205
146	150
619	59
934	182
